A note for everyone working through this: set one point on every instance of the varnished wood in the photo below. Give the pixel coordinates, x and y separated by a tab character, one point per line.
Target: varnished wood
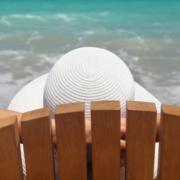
37	140
105	119
71	144
4	113
169	148
140	140
140	137
10	159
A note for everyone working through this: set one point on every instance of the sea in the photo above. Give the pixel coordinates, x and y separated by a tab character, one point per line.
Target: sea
145	34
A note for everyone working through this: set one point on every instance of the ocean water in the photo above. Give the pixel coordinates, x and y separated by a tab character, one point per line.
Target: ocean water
145	34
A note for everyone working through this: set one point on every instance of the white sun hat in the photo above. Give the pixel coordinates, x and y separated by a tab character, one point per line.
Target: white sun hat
82	75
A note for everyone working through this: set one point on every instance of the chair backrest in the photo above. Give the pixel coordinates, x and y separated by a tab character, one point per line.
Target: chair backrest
105	130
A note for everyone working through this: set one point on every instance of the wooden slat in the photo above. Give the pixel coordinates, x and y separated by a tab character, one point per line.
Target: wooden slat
105	124
140	140
169	149
10	159
71	144
37	140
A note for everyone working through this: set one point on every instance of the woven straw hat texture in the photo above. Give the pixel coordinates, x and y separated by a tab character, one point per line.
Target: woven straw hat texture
82	75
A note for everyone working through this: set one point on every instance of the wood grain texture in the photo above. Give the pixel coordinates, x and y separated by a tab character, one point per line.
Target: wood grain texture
105	127
37	140
140	140
169	148
10	158
71	143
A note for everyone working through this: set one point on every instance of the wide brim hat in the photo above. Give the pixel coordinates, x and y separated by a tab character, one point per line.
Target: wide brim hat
82	75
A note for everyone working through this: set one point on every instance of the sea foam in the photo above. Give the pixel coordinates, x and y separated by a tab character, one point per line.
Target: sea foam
65	17
27	16
5	21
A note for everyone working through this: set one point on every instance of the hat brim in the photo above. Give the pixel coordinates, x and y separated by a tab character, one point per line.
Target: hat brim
30	97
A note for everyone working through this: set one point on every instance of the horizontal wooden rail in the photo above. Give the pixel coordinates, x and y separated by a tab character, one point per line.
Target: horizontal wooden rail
105	130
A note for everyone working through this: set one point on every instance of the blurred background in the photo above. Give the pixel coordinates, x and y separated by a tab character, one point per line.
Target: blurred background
145	34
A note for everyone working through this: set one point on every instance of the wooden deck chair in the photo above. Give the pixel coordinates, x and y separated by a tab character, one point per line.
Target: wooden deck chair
105	128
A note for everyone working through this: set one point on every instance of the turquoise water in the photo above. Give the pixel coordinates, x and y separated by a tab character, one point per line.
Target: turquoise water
145	34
